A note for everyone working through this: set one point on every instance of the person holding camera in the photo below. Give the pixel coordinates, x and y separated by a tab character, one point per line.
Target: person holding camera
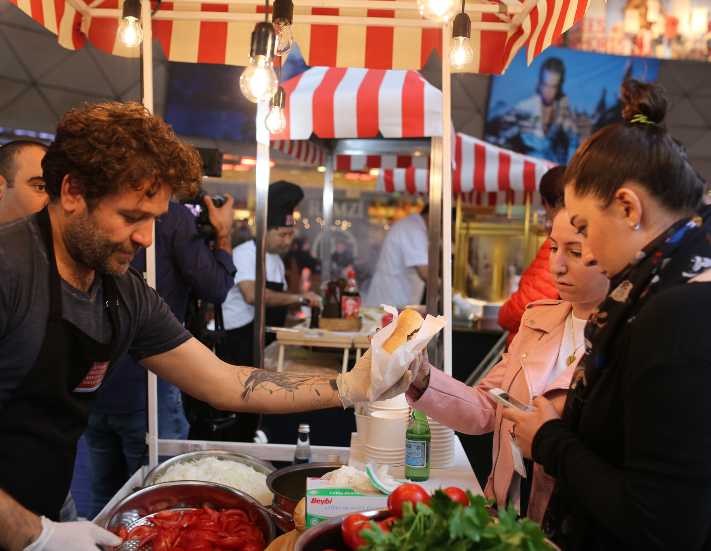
193	260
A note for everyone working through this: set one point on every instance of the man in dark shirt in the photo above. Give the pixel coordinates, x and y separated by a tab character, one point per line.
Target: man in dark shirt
186	267
70	307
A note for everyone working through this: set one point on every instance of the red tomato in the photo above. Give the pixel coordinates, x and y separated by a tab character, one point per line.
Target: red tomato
350	530
457	495
414	493
386	524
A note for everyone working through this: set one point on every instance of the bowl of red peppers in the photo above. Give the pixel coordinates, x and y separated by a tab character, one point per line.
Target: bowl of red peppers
191	515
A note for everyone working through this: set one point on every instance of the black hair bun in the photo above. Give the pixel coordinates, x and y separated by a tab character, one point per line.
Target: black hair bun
642	98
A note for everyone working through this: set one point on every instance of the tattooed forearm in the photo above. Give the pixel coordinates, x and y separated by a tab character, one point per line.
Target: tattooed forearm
287	391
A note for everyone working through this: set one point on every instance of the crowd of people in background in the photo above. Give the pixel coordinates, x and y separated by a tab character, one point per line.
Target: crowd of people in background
606	337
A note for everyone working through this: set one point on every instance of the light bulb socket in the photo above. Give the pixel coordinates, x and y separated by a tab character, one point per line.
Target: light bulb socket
462	26
263	41
283	10
131	8
279	98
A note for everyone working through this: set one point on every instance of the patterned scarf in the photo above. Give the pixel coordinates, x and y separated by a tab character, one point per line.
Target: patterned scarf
678	255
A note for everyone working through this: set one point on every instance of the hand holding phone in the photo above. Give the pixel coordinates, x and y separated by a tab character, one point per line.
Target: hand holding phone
508	401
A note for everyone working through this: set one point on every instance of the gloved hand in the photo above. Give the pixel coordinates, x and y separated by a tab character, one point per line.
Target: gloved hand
355	387
72	536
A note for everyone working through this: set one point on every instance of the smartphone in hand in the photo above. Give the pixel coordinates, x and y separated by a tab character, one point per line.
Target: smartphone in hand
508	401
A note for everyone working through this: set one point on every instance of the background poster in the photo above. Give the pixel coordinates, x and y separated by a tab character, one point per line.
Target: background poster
548	109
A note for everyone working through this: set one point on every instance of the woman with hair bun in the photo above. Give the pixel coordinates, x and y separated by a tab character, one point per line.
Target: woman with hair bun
631	454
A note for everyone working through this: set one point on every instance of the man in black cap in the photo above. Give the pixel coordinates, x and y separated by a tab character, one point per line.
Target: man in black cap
238	309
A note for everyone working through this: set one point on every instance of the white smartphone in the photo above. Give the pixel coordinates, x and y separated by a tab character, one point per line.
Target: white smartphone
508	401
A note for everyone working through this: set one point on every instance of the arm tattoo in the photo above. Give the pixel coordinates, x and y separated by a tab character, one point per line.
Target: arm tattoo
272	382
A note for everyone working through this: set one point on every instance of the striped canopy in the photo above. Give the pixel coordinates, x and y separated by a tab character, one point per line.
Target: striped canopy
481	169
361	103
376	34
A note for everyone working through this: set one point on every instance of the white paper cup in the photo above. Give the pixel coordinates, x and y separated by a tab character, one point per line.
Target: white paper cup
362	422
386	432
398	402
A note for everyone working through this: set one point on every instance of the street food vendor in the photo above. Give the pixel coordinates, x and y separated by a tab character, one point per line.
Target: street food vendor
238	309
401	271
69	306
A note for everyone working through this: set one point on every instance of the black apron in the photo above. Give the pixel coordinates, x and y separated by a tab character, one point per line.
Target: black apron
236	348
42	421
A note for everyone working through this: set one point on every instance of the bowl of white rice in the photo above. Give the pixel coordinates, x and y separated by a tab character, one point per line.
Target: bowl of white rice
241	472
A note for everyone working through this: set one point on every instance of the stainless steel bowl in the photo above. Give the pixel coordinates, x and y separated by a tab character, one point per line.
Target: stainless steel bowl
137	508
159	470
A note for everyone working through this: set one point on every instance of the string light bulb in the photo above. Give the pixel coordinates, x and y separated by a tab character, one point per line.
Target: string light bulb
438	10
258	81
282	18
276	119
461	52
130	31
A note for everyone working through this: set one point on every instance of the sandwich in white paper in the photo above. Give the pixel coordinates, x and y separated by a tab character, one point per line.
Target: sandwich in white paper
390	357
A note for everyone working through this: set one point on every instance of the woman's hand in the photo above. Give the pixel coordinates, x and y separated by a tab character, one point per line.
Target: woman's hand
527	423
420	370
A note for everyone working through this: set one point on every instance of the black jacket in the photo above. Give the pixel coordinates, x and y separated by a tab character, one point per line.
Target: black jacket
637	472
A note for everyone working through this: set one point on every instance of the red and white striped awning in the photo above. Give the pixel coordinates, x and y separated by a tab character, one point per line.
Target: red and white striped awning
356	163
361	103
302	150
481	170
363	34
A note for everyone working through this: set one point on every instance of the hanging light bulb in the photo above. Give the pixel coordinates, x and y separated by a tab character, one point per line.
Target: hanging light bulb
437	10
130	31
258	81
282	17
461	52
276	119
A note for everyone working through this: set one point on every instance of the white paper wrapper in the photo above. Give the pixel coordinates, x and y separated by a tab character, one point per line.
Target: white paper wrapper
386	369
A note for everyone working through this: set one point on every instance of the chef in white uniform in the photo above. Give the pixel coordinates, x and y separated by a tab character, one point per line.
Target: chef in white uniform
401	270
238	308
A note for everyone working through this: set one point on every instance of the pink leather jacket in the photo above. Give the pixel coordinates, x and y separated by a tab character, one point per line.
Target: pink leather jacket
523	372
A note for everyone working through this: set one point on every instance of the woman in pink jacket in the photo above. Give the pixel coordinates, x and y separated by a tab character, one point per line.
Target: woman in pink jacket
539	362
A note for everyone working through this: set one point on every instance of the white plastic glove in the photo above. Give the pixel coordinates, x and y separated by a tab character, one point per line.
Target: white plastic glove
354	387
72	536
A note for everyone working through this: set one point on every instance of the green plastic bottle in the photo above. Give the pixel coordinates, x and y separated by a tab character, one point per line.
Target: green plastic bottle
417	447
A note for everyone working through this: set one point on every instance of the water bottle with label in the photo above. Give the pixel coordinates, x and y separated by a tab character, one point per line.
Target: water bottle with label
303	445
417	447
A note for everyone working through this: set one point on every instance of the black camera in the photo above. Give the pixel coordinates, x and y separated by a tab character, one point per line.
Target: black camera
196	205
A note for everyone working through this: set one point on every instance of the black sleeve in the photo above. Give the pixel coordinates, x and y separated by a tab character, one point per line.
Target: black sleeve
210	274
157	328
661	497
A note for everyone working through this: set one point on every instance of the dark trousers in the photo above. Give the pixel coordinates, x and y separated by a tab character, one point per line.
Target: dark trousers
117	449
208	423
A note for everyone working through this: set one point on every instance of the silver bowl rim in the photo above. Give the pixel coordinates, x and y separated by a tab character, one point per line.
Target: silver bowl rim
327	525
257	464
117	510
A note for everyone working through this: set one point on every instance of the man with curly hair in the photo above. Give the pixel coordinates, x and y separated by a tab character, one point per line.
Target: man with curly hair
70	306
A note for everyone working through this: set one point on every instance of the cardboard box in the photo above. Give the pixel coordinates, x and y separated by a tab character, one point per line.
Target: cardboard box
324	501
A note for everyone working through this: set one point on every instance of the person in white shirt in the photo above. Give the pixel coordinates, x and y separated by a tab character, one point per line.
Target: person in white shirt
238	308
401	270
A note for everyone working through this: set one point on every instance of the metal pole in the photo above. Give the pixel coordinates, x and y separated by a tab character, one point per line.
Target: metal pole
147	95
447	131
260	221
327	220
434	227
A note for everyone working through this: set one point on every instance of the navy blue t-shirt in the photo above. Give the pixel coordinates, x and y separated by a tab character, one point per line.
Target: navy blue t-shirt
185	267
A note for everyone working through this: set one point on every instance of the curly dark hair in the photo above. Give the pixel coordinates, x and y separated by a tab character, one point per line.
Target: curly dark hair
108	147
